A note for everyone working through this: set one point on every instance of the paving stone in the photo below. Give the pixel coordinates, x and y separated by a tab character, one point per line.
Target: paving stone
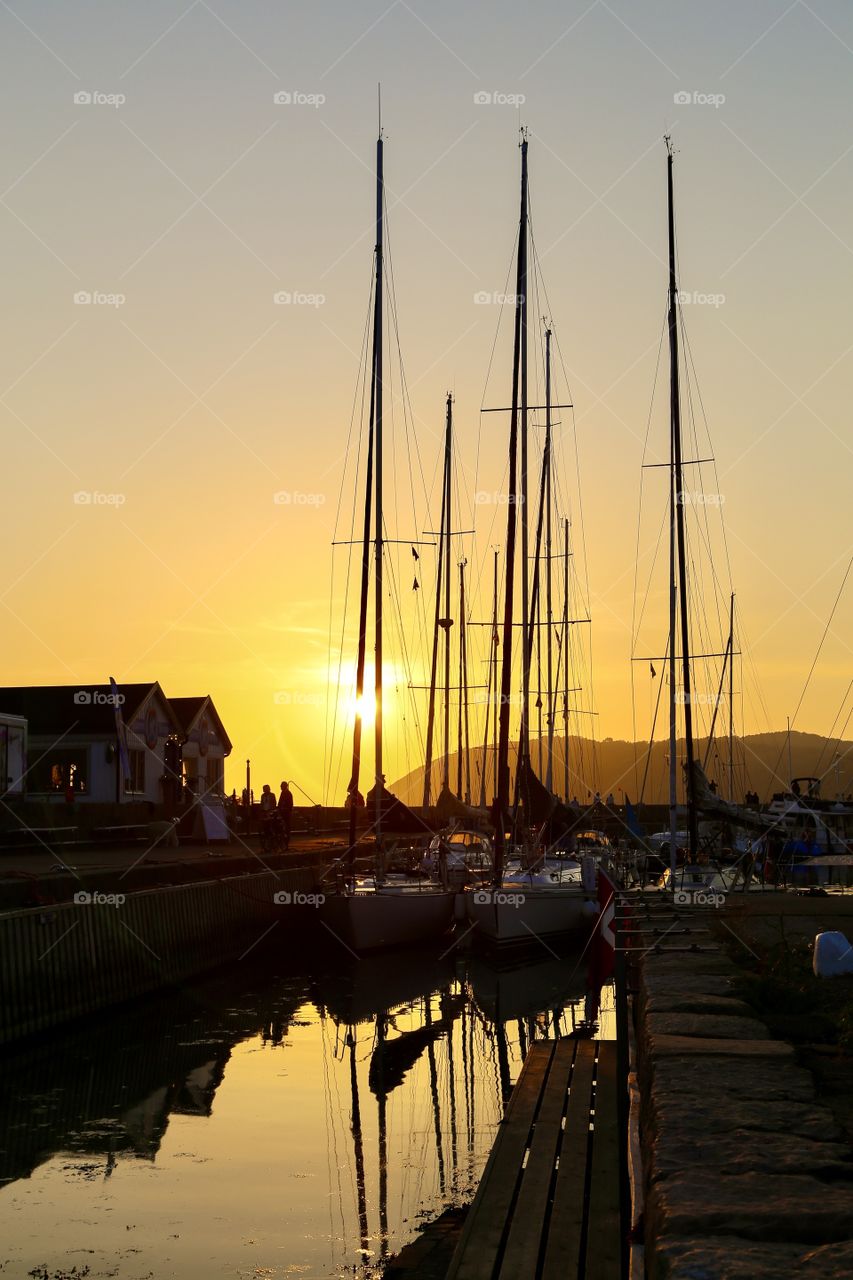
747	1151
686	983
731	1258
664	1045
727	1258
673	1002
725	1080
796	1118
708	1025
697	1203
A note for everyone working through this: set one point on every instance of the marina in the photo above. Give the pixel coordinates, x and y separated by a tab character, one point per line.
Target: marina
426	816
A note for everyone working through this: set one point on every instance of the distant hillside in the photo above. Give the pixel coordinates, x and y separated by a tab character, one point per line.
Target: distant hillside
760	764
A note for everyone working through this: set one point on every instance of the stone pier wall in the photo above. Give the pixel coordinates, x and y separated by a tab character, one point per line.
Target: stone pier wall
747	1174
66	961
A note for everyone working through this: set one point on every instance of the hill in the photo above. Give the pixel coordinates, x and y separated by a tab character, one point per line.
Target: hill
620	767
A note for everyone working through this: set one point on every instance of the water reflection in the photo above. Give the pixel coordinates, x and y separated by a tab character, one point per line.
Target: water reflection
298	1116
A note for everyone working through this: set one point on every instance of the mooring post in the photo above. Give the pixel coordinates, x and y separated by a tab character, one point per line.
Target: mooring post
248	797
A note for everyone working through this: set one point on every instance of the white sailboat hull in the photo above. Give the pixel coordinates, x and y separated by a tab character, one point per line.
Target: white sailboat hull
371	919
542	913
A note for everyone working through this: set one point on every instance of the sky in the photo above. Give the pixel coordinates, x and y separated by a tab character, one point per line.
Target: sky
155	396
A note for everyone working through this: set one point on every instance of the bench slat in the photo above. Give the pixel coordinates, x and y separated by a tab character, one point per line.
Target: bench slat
562	1257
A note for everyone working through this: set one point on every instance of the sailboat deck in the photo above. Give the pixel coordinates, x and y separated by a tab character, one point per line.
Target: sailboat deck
548	1203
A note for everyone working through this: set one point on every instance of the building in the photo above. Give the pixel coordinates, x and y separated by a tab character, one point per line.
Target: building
13	755
114	743
205	745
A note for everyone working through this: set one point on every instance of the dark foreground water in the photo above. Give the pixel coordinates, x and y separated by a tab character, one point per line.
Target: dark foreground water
299	1117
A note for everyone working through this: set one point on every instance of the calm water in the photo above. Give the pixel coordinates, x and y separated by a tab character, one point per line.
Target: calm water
287	1121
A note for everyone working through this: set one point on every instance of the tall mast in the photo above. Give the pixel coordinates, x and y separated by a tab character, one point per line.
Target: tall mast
491	699
732	699
676	496
443	550
447	621
549	769
463	693
566	654
502	798
459	760
524	735
377	357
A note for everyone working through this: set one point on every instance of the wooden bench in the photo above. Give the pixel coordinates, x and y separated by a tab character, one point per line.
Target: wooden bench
548	1204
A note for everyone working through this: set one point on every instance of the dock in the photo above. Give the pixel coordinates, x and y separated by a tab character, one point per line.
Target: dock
549	1205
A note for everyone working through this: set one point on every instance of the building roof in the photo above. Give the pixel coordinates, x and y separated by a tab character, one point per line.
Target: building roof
74	708
189	712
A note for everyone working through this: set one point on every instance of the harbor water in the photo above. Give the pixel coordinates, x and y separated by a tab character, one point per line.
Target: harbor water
301	1116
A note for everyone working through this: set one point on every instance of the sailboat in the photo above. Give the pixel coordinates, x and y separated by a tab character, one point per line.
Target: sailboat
370	913
526	904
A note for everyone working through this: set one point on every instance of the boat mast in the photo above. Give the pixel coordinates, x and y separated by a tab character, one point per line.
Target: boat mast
443	550
549	660
566	654
491	699
352	790
378	548
677	517
447	621
731	699
502	798
524	735
463	650
459	758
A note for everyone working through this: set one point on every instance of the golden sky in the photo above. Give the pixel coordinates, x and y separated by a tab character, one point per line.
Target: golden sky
180	198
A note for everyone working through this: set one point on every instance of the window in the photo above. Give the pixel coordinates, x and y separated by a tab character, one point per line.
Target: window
136	777
214	776
59	769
